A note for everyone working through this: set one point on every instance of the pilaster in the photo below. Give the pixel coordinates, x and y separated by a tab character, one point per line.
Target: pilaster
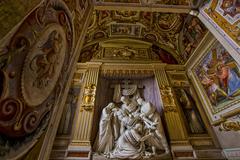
180	147
80	147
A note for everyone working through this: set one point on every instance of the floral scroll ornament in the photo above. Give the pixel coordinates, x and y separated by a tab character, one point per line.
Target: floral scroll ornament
88	97
168	100
230	126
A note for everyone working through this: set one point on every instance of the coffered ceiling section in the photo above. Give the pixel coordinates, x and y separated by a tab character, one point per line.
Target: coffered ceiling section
171	36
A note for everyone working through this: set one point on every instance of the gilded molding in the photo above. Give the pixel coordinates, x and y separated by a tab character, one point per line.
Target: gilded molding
230	126
168	100
88	97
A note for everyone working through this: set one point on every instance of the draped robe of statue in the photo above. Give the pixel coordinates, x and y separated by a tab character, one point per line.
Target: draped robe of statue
153	124
158	140
105	139
130	111
130	144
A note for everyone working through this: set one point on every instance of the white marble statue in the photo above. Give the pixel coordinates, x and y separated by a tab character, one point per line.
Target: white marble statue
132	130
130	144
130	106
153	123
105	140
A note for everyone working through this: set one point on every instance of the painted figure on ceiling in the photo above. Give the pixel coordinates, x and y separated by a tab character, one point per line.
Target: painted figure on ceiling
231	7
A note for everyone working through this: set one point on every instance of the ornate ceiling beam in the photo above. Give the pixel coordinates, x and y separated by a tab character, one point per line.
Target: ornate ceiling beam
146	8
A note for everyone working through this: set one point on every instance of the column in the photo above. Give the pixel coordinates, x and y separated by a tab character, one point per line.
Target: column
80	147
180	147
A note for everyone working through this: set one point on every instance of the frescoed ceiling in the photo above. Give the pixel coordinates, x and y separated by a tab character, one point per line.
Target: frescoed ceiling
179	6
224	15
172	36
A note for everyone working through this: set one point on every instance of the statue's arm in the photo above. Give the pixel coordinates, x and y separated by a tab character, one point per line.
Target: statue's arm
146	120
146	137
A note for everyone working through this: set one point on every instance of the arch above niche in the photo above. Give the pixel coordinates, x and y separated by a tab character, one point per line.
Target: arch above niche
127	49
122	42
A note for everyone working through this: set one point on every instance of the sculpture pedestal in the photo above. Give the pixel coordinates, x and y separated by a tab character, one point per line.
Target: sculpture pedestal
79	152
161	157
182	150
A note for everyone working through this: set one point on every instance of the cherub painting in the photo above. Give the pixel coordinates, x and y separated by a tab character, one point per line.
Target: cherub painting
219	75
193	32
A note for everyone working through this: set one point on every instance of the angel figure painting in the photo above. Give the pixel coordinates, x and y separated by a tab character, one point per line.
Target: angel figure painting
219	76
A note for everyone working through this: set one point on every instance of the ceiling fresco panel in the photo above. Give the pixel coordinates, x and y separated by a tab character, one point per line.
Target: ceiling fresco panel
176	34
224	15
119	1
163	2
191	35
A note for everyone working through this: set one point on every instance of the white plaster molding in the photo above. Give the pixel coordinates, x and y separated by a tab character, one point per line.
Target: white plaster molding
221	36
232	153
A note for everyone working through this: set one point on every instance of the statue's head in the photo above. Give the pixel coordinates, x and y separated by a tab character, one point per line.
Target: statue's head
110	106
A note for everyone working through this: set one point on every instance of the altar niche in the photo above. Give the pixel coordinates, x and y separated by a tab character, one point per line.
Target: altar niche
128	120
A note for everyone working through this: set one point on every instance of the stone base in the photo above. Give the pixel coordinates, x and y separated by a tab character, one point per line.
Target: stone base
160	157
60	147
79	153
211	154
182	150
233	153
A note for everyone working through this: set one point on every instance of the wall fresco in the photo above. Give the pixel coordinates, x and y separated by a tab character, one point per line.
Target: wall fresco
219	76
194	123
162	2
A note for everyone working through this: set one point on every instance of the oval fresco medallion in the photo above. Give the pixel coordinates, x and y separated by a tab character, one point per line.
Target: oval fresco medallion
43	65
